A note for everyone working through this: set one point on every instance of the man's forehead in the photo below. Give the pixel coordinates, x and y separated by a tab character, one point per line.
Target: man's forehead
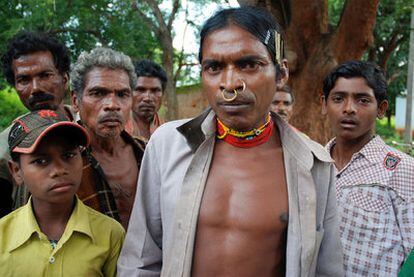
232	40
107	78
148	81
280	94
40	60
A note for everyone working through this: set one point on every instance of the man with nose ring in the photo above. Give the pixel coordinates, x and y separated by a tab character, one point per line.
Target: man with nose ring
234	191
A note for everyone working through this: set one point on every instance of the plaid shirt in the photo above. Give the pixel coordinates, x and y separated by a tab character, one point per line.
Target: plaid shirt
376	206
94	190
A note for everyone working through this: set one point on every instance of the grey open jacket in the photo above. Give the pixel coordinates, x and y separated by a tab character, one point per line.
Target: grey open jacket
161	232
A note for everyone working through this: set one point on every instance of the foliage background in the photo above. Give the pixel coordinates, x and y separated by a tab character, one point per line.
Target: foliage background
83	25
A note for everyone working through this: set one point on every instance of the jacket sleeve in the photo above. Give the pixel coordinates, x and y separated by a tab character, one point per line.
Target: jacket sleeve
141	254
330	259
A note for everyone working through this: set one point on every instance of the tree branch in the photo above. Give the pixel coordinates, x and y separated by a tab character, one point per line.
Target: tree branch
163	29
393	77
390	46
146	19
95	33
174	11
354	32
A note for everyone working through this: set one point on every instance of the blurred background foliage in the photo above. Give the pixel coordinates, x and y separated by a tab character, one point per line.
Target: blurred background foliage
83	25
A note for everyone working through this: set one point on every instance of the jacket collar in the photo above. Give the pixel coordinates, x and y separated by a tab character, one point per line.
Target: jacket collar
304	150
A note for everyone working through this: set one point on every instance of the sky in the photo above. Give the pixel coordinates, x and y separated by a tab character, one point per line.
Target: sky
189	36
186	36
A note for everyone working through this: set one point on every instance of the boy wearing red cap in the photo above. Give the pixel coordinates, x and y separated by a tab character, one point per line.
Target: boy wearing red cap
54	234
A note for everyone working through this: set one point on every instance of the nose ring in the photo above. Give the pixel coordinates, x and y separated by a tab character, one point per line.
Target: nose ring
234	91
231	98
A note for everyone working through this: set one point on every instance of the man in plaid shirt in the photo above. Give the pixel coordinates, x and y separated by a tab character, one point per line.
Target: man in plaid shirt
374	182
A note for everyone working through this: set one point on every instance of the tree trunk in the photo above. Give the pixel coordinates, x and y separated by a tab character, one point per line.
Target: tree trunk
168	64
314	49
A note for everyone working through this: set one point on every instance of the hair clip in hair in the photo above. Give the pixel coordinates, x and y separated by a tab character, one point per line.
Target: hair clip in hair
266	41
279	47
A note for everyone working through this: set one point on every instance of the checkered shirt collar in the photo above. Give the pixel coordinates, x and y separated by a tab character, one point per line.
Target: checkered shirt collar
370	151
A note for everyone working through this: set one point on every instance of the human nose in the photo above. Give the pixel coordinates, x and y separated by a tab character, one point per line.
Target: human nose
349	107
36	85
146	96
111	102
59	168
281	106
230	80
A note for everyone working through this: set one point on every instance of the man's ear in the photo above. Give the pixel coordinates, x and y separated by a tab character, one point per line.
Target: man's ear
75	101
382	108
66	81
284	77
16	172
323	104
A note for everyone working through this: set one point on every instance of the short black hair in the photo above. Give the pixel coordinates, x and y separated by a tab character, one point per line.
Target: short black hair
288	90
373	74
256	21
148	68
15	157
29	42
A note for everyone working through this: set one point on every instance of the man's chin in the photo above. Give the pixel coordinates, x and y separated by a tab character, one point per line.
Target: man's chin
146	116
43	106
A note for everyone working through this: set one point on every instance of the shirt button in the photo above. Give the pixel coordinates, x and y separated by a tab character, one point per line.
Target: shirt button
52	260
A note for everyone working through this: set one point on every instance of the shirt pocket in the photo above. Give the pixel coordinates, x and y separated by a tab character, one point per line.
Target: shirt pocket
366	212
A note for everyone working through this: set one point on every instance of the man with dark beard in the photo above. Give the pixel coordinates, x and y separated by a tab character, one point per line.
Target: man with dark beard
102	82
37	66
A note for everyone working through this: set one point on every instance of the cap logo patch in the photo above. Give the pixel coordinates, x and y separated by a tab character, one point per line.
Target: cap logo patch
391	161
47	113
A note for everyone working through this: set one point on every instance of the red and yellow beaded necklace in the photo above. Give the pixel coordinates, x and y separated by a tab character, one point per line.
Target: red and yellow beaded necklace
246	139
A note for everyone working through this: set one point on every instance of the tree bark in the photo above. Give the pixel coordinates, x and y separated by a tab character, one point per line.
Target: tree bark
314	49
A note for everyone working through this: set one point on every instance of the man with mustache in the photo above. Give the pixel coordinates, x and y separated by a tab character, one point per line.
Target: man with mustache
282	102
235	191
102	81
37	66
147	97
374	182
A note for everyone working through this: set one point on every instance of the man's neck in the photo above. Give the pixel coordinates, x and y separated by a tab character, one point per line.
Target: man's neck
52	218
143	125
106	145
344	149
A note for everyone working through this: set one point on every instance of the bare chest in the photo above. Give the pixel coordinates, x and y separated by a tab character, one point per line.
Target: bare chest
246	191
122	175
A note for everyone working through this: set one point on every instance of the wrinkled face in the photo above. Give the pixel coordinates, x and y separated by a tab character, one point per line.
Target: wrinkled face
52	172
106	101
147	97
352	109
38	82
232	56
282	104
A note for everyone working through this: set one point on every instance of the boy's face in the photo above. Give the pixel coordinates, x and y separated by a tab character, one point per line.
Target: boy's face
352	109
53	172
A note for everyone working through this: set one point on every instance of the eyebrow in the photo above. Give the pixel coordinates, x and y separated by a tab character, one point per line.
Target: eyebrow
247	58
105	89
250	58
358	94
